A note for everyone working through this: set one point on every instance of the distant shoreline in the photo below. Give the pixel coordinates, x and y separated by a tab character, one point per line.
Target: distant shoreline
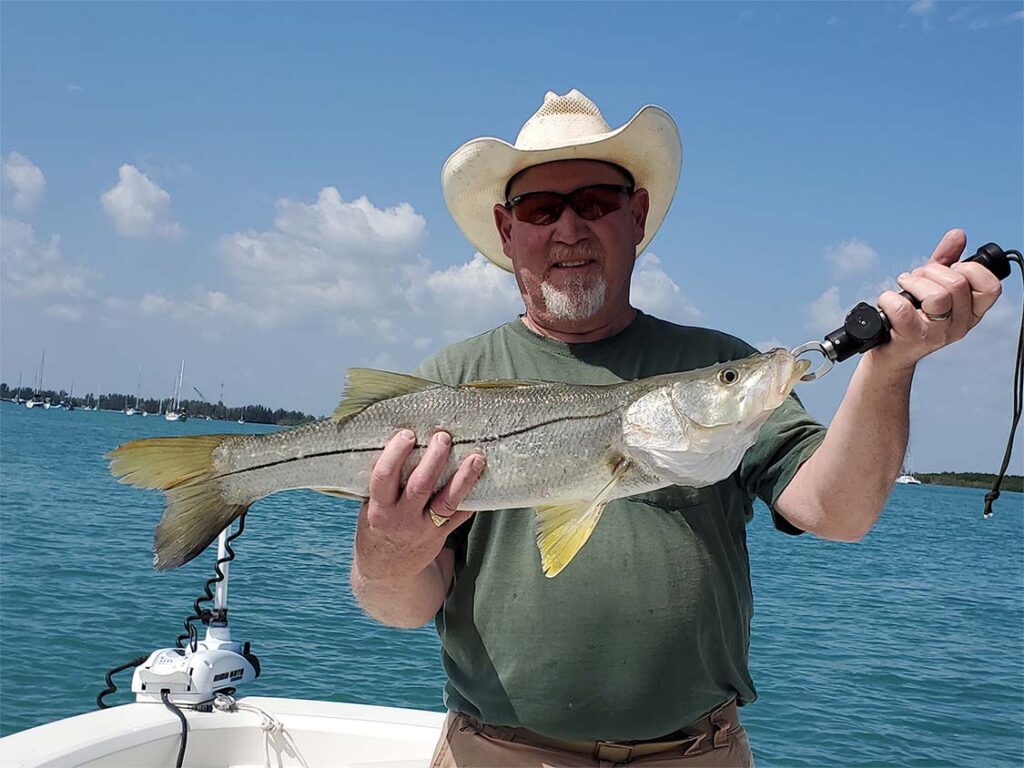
196	409
971	480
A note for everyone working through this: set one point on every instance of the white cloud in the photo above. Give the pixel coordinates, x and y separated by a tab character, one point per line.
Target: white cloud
923	10
958	15
155	304
354	270
466	298
766	345
826	313
138	207
343	259
653	291
967	18
75	88
921	7
853	257
25	180
833	21
37	270
64	312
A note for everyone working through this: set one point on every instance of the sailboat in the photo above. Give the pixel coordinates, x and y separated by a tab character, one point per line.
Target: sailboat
131	410
17	392
69	404
36	399
95	401
906	478
176	412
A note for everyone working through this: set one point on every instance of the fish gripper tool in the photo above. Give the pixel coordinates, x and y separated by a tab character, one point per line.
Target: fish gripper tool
866	327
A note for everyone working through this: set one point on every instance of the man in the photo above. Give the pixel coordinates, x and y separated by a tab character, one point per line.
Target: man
637	652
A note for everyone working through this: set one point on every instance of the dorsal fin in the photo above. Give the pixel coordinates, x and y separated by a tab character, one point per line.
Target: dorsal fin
366	386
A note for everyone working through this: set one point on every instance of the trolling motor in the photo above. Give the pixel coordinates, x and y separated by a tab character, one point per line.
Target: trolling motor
866	327
193	674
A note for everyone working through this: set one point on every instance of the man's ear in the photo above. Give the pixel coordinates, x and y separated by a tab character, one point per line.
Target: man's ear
503	221
639	205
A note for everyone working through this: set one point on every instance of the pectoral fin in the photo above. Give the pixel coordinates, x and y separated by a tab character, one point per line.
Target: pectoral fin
563	529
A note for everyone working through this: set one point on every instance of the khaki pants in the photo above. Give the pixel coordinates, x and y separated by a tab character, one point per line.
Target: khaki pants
717	740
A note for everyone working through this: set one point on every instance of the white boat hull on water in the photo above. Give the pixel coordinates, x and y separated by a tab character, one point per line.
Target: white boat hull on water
314	734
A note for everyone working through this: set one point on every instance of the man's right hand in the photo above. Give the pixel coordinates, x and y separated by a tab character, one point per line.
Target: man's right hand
400	573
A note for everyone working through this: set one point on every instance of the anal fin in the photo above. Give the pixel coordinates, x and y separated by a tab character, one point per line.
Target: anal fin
563	529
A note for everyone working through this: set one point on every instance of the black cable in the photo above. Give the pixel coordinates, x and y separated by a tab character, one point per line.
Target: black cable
201	614
1018	397
111	688
184	726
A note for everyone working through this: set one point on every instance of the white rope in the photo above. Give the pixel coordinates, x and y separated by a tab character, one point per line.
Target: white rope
271	726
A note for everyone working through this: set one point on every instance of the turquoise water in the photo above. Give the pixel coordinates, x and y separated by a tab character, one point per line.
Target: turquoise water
905	649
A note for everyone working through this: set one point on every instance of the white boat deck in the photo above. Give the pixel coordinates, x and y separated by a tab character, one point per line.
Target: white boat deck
313	734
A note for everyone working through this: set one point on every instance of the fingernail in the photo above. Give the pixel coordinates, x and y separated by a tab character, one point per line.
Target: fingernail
443	438
407	434
478	463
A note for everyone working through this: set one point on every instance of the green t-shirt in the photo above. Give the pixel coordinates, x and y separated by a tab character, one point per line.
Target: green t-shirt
647	630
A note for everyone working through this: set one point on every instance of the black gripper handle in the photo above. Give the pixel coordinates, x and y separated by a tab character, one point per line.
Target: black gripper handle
866	327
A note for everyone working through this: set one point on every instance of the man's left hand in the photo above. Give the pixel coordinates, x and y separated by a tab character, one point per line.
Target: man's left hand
964	289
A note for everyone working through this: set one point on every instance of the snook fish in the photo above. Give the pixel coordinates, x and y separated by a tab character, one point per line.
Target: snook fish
564	449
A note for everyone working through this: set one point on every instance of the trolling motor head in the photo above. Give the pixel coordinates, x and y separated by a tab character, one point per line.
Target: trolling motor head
193	677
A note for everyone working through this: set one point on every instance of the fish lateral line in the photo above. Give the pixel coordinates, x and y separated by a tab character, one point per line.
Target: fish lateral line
418	445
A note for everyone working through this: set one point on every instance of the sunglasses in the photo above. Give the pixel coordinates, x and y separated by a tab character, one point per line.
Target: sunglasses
589	203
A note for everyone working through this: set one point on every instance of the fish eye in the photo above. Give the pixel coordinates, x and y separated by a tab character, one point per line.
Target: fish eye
728	375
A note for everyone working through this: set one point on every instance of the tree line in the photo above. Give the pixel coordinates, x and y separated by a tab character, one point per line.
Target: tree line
971	480
196	409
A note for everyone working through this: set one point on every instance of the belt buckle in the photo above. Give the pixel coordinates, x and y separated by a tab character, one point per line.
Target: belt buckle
614	751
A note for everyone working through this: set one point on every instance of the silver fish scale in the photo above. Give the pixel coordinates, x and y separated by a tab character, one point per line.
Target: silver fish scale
543	443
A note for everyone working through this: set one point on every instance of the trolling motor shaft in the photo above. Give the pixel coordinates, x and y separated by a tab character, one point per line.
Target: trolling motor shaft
866	327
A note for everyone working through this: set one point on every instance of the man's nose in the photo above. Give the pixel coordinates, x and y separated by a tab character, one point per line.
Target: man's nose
570	228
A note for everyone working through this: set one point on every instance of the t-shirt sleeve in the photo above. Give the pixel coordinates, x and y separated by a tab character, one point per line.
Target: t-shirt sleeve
786	441
429	370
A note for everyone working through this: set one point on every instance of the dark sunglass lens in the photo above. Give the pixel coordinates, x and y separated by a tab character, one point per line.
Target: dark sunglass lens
539	208
594	202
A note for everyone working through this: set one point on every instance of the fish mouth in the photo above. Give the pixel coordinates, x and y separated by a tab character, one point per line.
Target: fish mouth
788	371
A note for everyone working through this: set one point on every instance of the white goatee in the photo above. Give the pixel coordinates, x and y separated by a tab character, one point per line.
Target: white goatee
581	299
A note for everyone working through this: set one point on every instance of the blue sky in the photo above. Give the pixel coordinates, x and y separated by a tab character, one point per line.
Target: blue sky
255	188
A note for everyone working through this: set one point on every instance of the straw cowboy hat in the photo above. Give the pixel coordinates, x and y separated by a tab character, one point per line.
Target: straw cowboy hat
568	127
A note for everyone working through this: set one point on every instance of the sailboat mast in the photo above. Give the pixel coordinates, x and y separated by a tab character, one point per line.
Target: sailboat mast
177	389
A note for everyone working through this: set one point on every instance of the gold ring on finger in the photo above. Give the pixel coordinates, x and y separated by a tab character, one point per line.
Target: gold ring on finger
944	316
437	519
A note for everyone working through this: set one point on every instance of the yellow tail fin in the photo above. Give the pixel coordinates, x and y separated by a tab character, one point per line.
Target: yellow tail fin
182	467
563	529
